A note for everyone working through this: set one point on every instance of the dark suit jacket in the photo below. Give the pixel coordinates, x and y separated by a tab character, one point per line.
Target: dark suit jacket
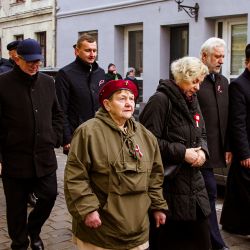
30	124
240	115
213	100
77	87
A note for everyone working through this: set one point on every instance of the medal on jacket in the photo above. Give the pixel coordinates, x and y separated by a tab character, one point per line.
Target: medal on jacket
219	89
137	152
197	119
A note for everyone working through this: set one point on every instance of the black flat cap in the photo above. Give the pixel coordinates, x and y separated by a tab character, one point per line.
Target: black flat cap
12	45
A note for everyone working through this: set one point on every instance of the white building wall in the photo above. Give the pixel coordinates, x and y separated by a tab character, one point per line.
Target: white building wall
27	19
110	18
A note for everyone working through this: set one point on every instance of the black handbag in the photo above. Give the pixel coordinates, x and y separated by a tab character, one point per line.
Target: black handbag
170	170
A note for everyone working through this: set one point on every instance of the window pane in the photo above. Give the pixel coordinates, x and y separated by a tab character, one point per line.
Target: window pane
178	42
135	51
41	38
238	44
19	37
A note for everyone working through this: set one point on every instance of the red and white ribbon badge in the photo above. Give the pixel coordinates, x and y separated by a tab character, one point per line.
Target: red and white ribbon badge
219	89
138	151
197	119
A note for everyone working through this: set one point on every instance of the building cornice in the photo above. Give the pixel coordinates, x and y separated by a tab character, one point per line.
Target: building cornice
27	14
109	7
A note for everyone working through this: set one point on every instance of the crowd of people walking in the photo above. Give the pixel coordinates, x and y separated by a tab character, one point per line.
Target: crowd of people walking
133	185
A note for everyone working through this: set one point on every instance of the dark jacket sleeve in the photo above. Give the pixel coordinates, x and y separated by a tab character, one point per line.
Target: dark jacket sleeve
1	133
203	138
153	117
57	121
238	121
62	90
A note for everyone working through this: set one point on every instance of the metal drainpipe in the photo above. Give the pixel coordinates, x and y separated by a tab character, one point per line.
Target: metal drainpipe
55	30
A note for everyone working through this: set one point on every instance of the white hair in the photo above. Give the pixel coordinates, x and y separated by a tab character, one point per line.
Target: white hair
188	69
211	43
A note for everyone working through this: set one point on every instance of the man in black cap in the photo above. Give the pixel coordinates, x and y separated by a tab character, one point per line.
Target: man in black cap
30	128
235	212
5	64
11	47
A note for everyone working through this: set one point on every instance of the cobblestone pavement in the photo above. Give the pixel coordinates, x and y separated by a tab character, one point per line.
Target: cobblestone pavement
56	233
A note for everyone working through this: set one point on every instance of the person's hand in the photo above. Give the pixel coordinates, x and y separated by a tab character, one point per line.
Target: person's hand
66	147
191	155
160	218
0	168
201	159
93	220
245	163
228	158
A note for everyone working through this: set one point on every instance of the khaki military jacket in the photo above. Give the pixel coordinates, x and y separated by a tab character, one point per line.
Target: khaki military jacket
118	174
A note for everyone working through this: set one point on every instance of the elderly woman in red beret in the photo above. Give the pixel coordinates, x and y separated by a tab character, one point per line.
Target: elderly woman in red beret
114	175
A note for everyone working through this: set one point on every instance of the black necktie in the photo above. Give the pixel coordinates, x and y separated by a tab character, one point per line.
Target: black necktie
212	77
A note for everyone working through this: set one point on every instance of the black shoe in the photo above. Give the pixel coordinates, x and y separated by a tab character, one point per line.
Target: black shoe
32	199
36	244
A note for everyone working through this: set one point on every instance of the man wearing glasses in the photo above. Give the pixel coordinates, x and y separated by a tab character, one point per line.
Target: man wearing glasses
30	128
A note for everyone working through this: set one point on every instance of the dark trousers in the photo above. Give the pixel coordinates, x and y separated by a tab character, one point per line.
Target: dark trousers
181	235
16	194
211	186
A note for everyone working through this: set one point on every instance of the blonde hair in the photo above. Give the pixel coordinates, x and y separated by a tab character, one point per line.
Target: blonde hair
188	69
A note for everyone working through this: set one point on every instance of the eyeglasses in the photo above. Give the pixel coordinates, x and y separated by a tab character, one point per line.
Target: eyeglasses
37	62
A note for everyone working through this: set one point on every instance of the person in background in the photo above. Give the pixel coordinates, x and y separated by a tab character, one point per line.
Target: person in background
173	115
113	175
8	64
131	76
5	64
74	47
12	47
112	73
30	128
77	86
235	211
213	100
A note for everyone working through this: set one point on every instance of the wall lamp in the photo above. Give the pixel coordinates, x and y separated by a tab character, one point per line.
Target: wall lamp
191	11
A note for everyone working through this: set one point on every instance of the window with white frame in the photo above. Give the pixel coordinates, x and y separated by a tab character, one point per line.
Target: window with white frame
134	48
234	32
133	57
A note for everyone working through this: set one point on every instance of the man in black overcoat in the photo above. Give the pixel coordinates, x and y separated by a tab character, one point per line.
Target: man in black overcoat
30	128
235	216
213	100
77	86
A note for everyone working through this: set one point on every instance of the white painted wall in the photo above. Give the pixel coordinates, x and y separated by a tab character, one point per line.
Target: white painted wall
28	18
155	16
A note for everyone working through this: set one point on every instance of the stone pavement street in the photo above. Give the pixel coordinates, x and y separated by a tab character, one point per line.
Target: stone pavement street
56	233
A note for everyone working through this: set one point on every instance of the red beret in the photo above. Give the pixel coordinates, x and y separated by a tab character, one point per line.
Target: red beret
112	86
